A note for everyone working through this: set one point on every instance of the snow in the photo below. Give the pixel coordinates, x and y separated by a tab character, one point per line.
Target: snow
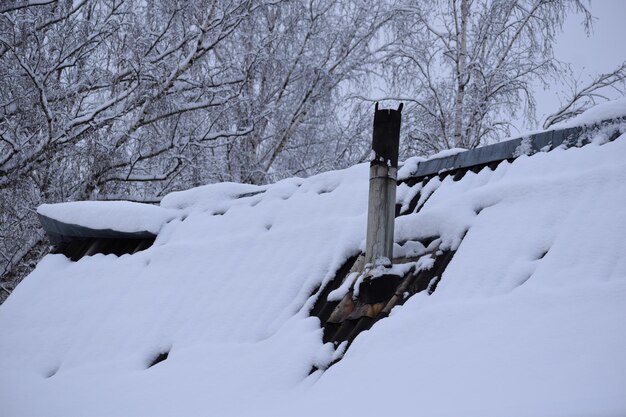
525	147
227	295
410	165
604	111
340	292
447	152
609	110
536	352
526	320
121	216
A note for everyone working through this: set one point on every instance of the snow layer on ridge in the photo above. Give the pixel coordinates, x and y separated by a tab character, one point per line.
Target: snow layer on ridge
122	216
527	318
410	165
603	111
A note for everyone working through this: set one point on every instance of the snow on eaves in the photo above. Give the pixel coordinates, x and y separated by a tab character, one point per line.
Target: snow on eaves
121	216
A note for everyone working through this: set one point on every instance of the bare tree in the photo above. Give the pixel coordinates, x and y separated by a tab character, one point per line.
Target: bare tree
465	67
93	96
299	58
129	99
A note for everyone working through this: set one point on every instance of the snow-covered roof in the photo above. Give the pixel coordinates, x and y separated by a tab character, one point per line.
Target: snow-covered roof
526	319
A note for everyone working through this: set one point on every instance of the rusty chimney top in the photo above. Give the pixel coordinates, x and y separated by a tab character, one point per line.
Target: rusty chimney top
382	187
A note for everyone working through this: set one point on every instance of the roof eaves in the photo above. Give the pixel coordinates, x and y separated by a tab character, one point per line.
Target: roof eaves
59	232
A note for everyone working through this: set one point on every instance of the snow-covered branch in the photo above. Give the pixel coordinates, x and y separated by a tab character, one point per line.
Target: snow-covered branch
582	97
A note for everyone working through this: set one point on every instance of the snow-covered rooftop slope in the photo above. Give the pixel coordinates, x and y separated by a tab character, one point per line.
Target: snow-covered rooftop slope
528	318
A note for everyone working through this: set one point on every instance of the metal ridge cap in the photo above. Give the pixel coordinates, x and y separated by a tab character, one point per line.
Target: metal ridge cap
503	150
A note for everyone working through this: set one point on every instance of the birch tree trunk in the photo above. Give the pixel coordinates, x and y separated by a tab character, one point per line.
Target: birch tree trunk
462	77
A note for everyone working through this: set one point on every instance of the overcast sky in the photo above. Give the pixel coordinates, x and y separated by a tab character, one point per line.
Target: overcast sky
602	51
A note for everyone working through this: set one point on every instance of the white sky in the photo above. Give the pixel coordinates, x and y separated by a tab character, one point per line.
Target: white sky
602	51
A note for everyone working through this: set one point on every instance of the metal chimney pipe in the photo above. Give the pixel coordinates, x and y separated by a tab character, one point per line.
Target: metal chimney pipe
382	192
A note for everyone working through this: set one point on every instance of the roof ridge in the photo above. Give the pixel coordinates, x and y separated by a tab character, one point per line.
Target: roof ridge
508	149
